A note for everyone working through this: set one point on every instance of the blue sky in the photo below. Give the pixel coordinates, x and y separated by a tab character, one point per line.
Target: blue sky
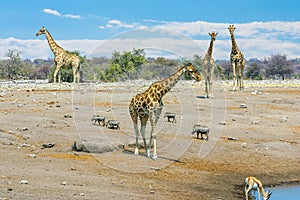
263	27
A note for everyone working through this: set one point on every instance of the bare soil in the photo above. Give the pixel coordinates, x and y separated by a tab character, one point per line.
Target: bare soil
260	138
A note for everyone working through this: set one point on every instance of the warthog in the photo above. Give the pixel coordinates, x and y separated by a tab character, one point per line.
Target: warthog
170	116
203	130
113	124
99	119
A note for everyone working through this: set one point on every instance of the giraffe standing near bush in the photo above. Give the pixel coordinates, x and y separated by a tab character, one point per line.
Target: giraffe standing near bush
61	57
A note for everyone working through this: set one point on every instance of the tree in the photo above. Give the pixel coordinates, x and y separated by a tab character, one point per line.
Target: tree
197	62
218	72
95	68
124	66
43	71
279	65
226	69
254	71
12	68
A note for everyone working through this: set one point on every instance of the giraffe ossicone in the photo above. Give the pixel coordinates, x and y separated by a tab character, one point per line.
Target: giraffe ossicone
148	106
61	57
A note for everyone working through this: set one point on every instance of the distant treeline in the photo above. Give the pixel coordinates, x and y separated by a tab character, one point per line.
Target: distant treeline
136	65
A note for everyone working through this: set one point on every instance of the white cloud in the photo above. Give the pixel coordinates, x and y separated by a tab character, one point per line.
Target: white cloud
115	22
56	13
28	48
183	47
51	12
169	47
119	24
255	39
154	21
263	30
33	49
72	16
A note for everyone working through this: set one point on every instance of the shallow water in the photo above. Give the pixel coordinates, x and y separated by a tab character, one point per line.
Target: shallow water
285	192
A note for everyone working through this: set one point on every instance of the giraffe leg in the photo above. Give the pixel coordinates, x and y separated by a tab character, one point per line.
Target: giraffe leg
136	130
55	73
241	79
152	122
234	75
242	82
143	131
59	76
206	88
74	74
154	116
150	141
154	148
158	113
210	90
78	75
134	118
210	84
204	76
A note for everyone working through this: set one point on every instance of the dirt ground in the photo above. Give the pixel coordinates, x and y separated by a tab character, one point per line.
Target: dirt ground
254	132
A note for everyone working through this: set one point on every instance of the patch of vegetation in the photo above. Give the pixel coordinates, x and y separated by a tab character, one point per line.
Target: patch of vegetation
135	65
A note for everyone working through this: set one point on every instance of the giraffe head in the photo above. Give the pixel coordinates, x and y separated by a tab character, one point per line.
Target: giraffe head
41	31
213	35
190	71
231	29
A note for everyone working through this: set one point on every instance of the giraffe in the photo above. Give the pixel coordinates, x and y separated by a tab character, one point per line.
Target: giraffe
208	67
254	183
61	57
148	105
237	62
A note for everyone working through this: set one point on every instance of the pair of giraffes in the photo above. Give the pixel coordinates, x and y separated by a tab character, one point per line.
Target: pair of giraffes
236	59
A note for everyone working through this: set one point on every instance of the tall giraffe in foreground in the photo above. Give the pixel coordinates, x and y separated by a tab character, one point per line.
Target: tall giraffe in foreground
208	67
148	105
237	62
61	57
253	183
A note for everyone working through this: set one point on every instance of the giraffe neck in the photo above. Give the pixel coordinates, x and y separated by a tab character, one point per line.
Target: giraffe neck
234	45
168	83
210	48
52	44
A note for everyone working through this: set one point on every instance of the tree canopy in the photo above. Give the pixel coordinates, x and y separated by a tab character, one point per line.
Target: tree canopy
279	65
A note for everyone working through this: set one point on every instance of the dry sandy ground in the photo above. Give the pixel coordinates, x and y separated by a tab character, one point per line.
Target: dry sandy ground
262	139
